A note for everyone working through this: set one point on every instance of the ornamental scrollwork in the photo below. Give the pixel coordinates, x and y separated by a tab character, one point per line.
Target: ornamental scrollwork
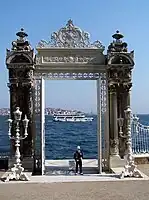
29	74
65	59
70	36
38	59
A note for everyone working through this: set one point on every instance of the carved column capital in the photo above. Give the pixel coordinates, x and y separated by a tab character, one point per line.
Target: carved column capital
127	73
127	86
112	88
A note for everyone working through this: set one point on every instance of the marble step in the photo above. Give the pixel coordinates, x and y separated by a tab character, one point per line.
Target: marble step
60	170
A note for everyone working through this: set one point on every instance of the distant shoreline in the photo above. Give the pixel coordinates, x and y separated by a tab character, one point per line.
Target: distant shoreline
49	111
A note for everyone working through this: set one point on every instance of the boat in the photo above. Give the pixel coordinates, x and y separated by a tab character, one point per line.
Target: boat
72	118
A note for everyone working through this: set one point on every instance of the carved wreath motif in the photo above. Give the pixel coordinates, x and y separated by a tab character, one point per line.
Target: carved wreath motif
70	36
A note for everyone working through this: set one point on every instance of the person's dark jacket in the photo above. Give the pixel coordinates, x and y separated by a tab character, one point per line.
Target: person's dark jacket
78	156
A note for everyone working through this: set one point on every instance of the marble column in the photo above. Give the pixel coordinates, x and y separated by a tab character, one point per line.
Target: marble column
114	142
13	104
28	110
121	106
125	104
99	133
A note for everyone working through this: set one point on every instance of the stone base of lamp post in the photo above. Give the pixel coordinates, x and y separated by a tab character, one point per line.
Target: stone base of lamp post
15	173
130	170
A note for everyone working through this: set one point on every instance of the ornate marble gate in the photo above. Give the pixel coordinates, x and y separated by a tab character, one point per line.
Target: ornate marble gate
71	55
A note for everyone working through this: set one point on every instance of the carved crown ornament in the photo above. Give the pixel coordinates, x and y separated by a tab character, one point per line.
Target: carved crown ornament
70	36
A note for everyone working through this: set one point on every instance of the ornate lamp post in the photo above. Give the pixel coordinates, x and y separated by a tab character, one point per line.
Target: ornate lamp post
16	172
130	169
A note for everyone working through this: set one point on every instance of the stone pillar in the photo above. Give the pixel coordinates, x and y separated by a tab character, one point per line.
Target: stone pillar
27	148
99	133
120	63
114	144
20	64
121	115
126	99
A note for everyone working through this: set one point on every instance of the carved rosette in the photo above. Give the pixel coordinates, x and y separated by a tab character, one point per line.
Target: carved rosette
65	76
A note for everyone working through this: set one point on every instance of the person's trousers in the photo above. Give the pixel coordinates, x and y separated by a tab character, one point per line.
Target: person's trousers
79	164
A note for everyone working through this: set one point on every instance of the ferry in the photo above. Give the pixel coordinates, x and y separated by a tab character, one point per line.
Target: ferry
72	118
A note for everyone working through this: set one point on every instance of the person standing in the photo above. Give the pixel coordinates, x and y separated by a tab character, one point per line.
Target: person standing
78	156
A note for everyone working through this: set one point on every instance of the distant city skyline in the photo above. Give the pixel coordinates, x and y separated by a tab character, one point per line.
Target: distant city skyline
101	19
63	96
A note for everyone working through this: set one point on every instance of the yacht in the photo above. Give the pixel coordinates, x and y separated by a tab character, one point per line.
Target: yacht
72	118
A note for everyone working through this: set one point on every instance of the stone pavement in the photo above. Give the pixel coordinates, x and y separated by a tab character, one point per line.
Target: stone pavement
87	187
144	168
85	178
105	190
78	178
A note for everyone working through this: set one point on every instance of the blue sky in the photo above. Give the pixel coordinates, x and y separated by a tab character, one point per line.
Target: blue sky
101	19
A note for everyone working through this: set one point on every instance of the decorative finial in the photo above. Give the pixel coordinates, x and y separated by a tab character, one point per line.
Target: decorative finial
117	35
117	45
21	43
21	33
69	23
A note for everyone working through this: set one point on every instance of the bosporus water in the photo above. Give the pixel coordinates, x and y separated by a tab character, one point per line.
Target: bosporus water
63	137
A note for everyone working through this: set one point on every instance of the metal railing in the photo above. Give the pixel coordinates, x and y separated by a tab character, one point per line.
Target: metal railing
140	137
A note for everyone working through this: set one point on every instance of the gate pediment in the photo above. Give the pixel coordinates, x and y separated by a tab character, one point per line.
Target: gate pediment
70	48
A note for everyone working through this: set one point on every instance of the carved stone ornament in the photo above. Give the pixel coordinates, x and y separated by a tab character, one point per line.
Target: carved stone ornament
65	76
38	59
69	59
114	146
21	44
103	92
70	36
112	87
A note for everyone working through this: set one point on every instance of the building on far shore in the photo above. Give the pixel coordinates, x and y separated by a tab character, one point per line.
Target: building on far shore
4	111
48	111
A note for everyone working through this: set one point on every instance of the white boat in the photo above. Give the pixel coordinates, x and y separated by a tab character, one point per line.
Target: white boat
72	118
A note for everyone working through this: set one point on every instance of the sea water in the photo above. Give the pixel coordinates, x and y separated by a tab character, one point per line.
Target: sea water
62	138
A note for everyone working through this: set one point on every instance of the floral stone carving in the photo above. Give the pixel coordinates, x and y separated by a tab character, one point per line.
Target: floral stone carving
70	36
